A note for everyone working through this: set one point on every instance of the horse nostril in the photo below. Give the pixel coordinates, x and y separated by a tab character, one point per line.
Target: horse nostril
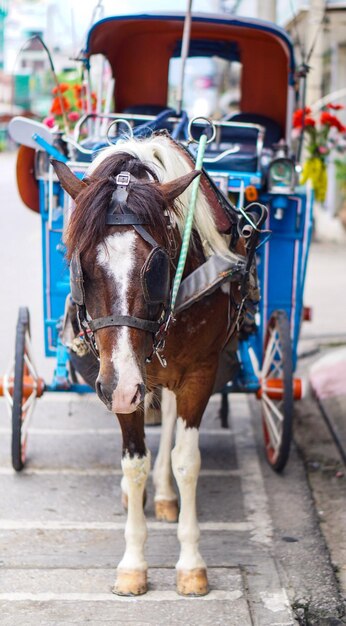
141	391
104	392
139	395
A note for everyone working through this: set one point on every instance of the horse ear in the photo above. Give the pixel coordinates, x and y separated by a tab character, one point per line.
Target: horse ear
68	179
175	187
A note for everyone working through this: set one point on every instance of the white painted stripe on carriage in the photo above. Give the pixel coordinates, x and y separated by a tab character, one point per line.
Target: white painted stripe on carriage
252	483
63	432
150	596
8	524
73	471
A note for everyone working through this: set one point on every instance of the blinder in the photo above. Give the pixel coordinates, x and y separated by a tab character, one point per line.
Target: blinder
155	277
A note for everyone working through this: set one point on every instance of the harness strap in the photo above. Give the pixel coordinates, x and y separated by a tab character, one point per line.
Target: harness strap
124	219
124	320
146	236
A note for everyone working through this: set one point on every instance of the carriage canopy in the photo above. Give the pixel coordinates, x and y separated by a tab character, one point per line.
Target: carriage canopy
139	49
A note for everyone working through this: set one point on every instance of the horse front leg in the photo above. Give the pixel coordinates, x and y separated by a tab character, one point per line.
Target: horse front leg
132	570
166	502
191	569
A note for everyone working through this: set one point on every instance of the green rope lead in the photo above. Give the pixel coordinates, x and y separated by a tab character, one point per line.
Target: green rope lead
189	222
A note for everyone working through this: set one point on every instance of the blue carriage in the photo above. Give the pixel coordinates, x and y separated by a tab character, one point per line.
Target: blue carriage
250	159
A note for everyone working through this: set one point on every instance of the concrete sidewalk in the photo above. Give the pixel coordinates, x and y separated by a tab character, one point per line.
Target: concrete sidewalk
62	524
320	422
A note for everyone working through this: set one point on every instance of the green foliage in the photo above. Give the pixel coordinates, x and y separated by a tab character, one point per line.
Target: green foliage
340	166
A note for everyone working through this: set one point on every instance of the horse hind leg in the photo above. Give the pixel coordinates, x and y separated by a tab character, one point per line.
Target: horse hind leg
192	577
166	502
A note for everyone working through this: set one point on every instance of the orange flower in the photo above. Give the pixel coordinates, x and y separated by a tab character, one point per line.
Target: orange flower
62	88
56	105
77	90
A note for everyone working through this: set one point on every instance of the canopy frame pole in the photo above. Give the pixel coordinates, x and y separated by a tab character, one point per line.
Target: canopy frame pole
184	54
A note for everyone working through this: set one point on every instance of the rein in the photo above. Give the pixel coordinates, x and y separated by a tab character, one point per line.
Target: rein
160	337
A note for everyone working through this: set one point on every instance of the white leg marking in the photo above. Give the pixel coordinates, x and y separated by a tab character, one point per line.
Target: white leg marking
162	473
124	485
136	472
186	463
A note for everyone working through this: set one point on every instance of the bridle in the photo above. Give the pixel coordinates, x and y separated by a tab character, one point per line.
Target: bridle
155	273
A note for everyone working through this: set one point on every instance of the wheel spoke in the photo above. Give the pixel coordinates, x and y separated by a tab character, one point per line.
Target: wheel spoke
28	357
272	406
26	421
268	354
273	432
276	400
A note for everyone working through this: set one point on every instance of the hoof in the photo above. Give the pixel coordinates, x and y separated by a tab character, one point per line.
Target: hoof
166	510
130	583
192	582
125	499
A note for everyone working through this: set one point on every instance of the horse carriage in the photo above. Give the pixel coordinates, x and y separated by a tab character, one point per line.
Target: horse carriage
258	234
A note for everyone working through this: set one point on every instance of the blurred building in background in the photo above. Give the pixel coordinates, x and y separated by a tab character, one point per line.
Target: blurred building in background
318	26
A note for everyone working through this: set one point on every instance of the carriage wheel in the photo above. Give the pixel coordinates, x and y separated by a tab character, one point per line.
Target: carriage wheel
276	392
23	387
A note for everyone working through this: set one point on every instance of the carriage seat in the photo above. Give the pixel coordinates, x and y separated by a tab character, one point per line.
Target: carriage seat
243	159
273	132
149	109
244	140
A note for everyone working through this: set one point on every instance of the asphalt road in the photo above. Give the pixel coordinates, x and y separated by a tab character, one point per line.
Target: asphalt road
61	521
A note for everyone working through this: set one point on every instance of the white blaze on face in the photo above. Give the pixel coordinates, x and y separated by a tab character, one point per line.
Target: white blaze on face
117	258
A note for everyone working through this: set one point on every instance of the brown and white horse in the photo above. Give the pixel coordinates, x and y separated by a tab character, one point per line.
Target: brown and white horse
112	258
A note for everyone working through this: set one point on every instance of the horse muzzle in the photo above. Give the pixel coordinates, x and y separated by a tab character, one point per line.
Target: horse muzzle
127	398
123	398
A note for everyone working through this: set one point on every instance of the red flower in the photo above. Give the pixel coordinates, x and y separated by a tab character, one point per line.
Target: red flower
309	121
331	120
335	107
298	117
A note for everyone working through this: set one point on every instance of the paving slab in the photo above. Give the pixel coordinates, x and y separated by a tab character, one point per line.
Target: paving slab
215	610
99	498
94	547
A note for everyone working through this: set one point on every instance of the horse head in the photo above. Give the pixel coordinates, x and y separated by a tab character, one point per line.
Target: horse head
124	265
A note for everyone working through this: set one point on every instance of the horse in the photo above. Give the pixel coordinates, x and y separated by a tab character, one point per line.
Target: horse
123	241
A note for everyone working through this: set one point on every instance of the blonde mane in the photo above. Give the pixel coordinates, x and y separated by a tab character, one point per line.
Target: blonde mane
169	164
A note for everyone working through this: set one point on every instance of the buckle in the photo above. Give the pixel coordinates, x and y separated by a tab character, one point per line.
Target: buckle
123	179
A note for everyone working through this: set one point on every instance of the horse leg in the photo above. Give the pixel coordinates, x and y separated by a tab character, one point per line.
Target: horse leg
186	462
123	484
166	502
132	569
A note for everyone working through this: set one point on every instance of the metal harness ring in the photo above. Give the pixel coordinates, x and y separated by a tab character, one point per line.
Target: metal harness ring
115	123
209	122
